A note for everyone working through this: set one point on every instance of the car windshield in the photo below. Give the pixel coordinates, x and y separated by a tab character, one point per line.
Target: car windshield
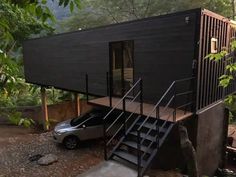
76	121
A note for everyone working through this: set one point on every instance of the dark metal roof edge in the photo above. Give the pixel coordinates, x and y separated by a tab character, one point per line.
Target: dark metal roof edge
196	10
215	15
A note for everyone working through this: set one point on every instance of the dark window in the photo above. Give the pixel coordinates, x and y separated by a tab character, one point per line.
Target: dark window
94	113
121	54
94	121
78	120
118	58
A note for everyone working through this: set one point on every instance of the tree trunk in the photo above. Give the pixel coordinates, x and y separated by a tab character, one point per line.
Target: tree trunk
233	9
44	108
188	152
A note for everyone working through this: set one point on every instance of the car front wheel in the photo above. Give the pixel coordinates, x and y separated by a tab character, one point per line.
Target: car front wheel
71	142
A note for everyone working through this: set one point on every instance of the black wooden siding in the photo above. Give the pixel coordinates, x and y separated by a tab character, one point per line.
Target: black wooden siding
163	52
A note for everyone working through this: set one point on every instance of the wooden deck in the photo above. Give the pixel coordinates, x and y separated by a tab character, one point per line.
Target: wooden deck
147	108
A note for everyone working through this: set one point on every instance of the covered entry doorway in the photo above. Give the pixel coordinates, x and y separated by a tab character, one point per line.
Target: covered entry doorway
121	66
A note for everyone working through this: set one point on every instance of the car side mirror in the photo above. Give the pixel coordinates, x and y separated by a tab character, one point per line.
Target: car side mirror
84	126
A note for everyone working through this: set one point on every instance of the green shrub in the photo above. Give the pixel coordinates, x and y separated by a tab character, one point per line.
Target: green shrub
17	119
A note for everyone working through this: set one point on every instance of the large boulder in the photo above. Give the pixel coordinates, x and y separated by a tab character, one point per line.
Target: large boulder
48	159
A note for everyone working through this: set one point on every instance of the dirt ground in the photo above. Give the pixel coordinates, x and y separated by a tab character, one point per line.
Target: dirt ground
17	145
232	133
7	132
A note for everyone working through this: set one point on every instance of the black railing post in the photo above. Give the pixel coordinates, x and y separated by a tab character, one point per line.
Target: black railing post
141	97
109	90
174	103
157	126
86	78
192	97
124	115
105	140
139	154
107	79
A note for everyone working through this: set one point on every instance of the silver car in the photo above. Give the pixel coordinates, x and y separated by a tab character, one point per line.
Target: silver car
84	127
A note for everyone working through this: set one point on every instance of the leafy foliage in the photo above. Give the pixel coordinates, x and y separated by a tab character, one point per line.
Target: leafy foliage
102	12
16	119
225	80
230	71
217	56
20	20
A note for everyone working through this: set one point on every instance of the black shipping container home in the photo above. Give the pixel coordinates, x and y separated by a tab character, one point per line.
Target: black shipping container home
153	70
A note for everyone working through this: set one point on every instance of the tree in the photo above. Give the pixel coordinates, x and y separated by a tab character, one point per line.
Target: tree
102	12
233	9
20	20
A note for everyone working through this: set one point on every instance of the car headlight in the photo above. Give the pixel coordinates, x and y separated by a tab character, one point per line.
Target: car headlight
59	132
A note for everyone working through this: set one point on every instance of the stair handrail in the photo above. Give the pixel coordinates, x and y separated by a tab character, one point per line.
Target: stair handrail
120	101
155	108
157	104
123	113
162	98
140	127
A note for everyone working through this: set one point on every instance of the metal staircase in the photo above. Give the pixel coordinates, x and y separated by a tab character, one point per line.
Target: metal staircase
136	138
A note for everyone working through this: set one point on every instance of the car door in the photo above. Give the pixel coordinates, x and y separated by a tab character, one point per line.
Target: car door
92	128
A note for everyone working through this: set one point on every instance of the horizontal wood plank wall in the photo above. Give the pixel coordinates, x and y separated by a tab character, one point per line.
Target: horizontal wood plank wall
163	52
212	26
165	57
63	61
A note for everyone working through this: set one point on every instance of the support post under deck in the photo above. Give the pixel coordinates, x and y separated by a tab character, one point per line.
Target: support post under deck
77	104
44	108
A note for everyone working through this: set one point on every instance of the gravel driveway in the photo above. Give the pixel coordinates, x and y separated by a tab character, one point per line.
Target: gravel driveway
17	145
15	152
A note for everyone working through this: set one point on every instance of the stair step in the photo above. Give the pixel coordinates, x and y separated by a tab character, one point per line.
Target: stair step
135	146
128	157
149	126
143	135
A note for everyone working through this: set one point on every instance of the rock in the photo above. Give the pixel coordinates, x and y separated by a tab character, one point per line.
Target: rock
48	159
35	157
22	170
225	172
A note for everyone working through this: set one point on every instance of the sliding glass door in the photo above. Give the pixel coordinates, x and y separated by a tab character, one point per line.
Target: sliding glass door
121	59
